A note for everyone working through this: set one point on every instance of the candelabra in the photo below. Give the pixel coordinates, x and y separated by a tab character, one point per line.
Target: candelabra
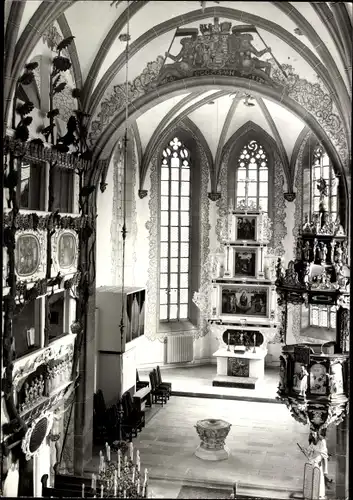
120	479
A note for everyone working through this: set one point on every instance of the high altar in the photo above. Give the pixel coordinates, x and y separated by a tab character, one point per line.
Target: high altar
243	299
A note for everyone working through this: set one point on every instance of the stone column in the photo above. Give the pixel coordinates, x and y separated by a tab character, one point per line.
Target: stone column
342	440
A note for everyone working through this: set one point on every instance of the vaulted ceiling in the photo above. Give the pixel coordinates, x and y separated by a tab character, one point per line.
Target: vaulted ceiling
313	38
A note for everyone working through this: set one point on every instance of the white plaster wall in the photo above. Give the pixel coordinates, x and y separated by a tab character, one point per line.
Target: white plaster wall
142	242
41	466
149	353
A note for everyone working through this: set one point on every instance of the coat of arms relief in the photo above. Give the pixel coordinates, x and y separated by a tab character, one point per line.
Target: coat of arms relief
218	49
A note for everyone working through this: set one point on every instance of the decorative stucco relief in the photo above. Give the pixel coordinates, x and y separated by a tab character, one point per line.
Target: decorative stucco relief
204	327
152	227
222	203
115	98
318	102
117	214
279	230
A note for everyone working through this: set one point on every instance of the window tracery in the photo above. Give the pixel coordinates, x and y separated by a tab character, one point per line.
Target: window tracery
251	186
175	200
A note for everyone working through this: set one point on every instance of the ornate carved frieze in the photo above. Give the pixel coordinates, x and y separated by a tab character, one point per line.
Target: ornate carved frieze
317	102
279	229
222	203
34	221
25	366
37	152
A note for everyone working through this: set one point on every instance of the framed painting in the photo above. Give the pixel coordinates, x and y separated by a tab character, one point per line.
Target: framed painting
30	255
245	262
246	227
64	251
250	301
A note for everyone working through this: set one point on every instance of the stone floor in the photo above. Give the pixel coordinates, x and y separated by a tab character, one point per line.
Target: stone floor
264	459
196	380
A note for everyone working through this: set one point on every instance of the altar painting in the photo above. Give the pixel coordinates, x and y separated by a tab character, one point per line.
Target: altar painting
241	300
246	228
245	261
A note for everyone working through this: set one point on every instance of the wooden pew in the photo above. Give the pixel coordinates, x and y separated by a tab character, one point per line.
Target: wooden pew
142	398
66	486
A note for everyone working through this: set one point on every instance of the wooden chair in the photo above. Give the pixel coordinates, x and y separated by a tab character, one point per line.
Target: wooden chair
139	383
129	426
161	383
159	395
133	412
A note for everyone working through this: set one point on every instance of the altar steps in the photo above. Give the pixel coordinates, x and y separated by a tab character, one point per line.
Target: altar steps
237	382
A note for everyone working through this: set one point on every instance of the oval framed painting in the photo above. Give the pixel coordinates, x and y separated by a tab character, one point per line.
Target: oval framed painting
30	255
65	251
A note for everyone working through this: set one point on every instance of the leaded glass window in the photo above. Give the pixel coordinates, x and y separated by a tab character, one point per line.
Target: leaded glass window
174	232
323	316
251	186
322	169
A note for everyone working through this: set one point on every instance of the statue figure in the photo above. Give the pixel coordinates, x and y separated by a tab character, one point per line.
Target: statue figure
322	253
291	277
306	251
307	228
249	63
300	381
339	254
326	224
332	253
183	62
338	229
315	244
344	252
316	223
317	455
282	374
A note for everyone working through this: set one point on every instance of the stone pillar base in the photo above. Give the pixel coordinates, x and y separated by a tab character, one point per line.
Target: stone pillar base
214	455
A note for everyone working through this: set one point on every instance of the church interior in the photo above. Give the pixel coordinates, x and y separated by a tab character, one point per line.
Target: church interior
176	249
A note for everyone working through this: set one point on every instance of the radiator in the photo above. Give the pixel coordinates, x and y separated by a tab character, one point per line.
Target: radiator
180	348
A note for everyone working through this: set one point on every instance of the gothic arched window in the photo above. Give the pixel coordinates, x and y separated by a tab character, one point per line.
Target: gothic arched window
251	184
322	169
175	202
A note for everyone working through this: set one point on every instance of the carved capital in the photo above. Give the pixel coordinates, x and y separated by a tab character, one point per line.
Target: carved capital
289	196
214	196
142	193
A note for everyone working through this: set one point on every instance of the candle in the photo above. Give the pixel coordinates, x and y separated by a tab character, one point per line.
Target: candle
131	451
124	494
93	482
125	460
138	461
108	453
146	477
133	475
138	486
83	490
119	460
102	488
143	491
115	483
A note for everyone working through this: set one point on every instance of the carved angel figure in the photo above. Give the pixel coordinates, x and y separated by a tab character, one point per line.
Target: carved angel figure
338	229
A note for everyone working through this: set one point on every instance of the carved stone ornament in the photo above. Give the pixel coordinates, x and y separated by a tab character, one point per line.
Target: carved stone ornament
214	196
36	434
64	251
30	255
45	153
142	193
289	196
57	350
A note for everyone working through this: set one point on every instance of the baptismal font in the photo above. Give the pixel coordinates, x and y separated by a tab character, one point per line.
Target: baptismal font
314	377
